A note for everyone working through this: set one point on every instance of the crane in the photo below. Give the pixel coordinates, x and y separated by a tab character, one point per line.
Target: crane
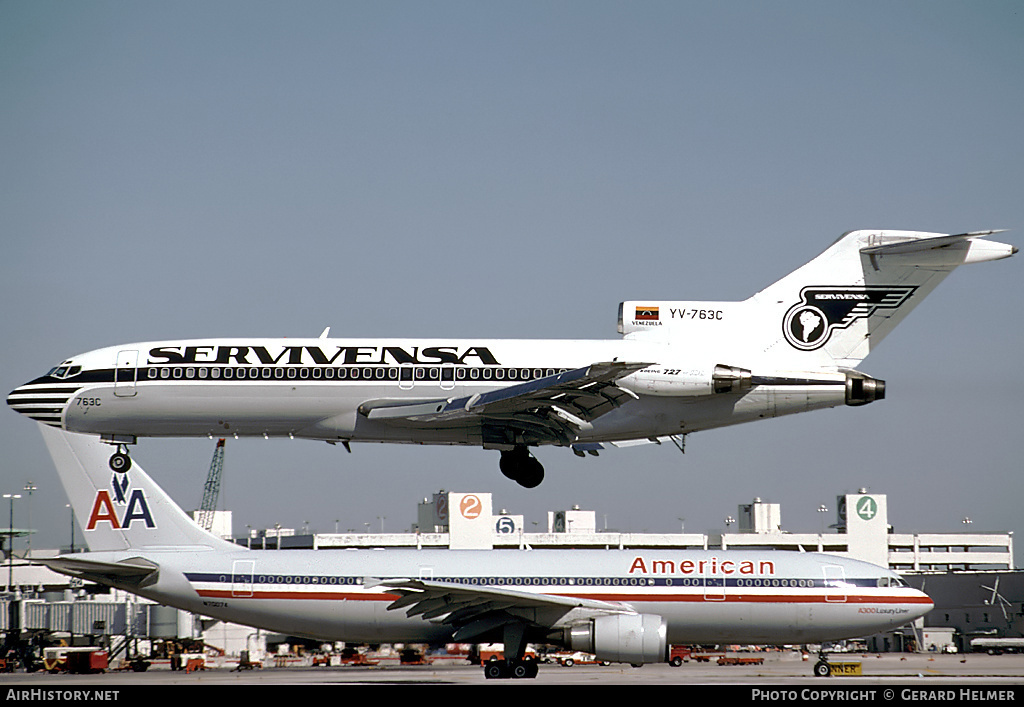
204	516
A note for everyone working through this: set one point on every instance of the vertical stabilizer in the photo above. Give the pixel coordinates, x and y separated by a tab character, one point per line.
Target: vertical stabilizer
837	308
120	510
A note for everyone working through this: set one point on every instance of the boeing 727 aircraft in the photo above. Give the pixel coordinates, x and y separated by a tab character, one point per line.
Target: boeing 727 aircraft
679	367
622	605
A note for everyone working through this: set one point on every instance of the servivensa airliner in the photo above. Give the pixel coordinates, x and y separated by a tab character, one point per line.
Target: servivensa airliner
679	367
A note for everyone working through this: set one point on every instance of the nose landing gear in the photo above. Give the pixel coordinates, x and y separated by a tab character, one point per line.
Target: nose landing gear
119	460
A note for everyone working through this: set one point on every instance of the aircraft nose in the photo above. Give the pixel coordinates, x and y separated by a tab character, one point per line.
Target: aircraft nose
39	402
922	604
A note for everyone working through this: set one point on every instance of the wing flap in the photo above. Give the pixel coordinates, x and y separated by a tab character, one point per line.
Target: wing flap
475	610
553	408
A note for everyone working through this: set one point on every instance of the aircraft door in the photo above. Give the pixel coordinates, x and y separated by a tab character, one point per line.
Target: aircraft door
835	583
241	578
126	373
714	588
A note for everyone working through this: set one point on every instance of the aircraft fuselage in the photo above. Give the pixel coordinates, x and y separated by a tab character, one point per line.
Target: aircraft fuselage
318	388
704	596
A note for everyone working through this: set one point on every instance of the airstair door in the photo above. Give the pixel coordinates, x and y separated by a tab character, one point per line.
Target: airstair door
126	373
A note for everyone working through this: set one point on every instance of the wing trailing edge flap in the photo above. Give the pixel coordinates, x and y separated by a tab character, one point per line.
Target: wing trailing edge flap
558	405
475	610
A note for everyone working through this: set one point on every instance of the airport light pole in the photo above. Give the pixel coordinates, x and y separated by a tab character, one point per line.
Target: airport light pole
10	543
29	488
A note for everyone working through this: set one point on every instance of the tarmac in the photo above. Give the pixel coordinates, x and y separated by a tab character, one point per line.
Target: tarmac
909	677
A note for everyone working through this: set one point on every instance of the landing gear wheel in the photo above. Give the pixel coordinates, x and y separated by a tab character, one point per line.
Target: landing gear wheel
525	668
518	465
822	669
495	670
120	462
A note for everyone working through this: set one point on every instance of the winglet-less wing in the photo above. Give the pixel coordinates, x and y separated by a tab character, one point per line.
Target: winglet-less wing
552	408
474	610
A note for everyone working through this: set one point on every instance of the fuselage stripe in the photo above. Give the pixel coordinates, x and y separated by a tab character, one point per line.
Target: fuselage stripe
818	598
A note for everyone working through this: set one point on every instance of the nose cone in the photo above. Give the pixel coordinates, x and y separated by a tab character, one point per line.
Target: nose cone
922	604
40	400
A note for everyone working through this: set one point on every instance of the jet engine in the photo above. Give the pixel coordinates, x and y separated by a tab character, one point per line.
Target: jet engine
621	638
862	389
683	381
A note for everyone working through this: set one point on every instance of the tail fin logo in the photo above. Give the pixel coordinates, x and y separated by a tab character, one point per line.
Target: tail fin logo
134	506
808	324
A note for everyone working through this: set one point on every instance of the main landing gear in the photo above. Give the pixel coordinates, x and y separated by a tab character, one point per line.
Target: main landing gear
822	669
516	663
520	466
499	669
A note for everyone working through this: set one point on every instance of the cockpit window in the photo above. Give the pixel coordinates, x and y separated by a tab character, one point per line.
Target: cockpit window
64	371
891	582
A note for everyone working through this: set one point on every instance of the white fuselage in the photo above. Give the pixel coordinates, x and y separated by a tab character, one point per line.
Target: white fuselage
314	388
704	596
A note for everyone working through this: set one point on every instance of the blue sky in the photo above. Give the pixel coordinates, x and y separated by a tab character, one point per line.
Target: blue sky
484	169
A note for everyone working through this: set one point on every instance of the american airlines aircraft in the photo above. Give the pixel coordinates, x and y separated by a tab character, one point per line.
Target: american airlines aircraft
679	367
621	605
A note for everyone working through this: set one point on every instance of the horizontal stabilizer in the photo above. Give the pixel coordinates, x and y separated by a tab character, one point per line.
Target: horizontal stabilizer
979	250
136	571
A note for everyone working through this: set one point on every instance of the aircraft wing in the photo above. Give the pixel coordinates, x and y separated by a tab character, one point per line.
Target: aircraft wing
475	610
552	409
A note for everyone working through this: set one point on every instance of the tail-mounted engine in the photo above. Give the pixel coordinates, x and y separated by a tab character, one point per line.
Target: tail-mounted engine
685	381
862	389
621	638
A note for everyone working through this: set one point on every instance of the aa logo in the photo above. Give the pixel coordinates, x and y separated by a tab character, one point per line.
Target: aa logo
809	324
126	507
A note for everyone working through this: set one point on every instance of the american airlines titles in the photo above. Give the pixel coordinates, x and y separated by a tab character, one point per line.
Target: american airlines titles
711	565
299	355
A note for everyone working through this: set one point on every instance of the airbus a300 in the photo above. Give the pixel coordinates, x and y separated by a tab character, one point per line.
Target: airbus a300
621	605
679	367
